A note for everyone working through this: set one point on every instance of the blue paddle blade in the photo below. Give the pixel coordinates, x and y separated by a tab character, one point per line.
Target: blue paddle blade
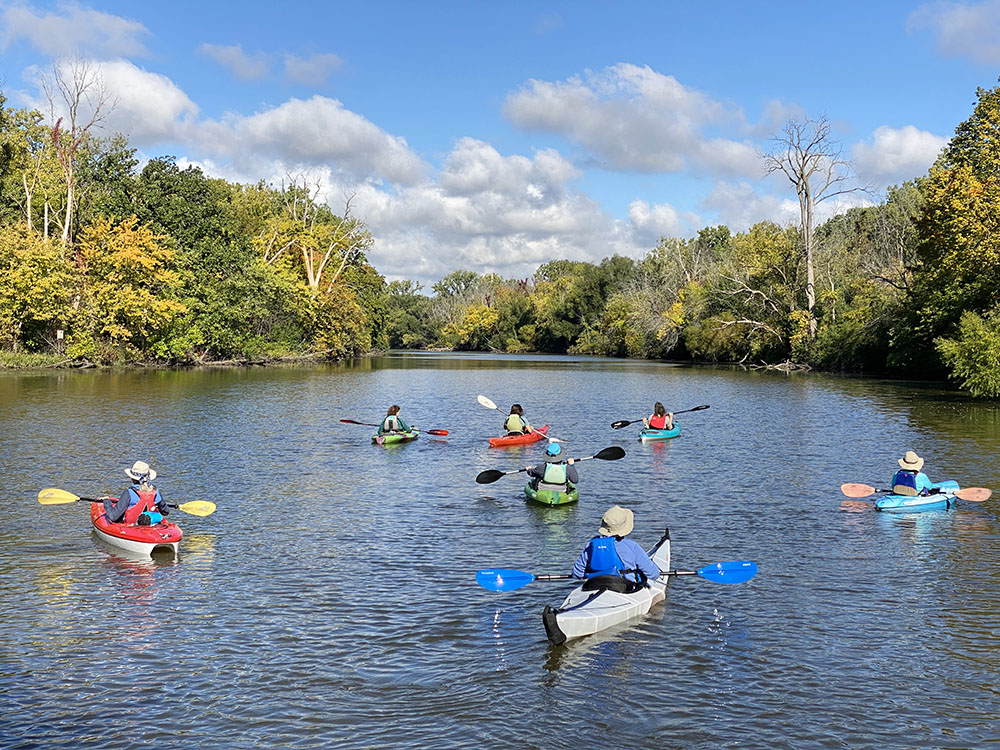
734	571
503	579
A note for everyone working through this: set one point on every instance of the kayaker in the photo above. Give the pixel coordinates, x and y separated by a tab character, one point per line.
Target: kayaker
910	480
554	474
660	419
139	502
393	422
516	424
611	554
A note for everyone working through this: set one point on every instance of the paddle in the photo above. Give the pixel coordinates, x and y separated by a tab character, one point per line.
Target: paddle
503	579
369	424
970	494
625	423
490	405
53	496
612	453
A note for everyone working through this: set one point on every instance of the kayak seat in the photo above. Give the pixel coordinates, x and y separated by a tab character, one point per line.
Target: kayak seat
905	490
611	583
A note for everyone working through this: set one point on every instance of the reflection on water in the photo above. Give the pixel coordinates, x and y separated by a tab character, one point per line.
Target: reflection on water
330	600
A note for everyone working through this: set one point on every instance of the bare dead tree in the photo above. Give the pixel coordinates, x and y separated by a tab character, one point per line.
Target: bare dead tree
76	87
807	155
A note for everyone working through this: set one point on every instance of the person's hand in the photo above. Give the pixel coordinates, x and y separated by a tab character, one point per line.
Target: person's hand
570	462
670	416
527	468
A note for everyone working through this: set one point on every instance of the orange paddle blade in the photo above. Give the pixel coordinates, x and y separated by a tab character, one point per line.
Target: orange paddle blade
974	494
853	489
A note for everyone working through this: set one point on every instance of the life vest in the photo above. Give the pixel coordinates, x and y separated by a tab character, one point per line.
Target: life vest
555	473
658	422
390	424
139	502
514	423
603	559
905	483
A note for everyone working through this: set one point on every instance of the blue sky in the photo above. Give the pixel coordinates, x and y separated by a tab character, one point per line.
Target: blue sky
496	136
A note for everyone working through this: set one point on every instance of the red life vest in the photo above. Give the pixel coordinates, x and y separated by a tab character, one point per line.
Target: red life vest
147	501
658	422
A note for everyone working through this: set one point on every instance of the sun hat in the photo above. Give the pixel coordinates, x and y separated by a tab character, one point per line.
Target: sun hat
139	470
616	522
911	461
553	450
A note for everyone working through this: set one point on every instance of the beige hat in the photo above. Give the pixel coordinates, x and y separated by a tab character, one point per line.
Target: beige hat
911	461
140	470
616	522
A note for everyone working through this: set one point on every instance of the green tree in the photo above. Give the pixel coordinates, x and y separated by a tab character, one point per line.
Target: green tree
35	281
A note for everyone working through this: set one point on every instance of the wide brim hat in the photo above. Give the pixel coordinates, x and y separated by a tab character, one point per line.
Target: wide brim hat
911	462
139	470
616	522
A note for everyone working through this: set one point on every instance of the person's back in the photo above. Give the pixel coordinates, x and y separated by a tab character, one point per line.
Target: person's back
554	474
516	424
142	498
909	480
611	555
393	423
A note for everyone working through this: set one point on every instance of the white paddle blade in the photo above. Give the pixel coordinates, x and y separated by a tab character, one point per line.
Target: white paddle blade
486	402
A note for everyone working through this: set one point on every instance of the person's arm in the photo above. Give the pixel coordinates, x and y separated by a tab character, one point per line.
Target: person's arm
161	504
924	482
403	427
670	420
637	558
571	473
580	566
535	471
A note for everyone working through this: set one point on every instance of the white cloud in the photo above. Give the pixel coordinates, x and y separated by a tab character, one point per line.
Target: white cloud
75	30
312	132
963	30
739	206
896	155
662	220
311	71
236	61
633	118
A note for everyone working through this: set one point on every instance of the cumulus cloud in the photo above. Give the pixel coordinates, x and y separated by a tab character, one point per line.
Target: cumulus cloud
963	30
633	118
662	220
894	155
74	30
311	71
313	132
236	61
490	213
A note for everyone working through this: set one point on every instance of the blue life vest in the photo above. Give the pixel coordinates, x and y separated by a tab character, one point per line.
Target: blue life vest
905	483
603	558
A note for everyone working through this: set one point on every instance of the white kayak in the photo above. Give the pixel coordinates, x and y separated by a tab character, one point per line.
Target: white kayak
588	610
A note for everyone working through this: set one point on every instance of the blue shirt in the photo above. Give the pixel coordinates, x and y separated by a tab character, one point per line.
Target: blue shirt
631	554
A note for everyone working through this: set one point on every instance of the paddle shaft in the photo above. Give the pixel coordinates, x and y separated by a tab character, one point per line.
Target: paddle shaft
370	424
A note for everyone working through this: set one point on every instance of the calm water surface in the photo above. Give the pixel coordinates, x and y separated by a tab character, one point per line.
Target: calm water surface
331	601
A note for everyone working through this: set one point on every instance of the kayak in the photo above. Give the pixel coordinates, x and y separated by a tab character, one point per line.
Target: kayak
141	539
649	435
395	437
531	437
945	498
590	609
551	497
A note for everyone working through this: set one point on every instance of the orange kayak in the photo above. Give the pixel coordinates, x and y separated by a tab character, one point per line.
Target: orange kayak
531	437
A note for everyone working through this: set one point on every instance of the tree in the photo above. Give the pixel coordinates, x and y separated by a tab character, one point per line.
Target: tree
77	86
806	154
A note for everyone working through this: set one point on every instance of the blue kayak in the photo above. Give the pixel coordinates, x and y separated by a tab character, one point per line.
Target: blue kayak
943	498
649	435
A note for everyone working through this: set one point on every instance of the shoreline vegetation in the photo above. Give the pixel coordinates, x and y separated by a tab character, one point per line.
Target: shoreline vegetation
104	264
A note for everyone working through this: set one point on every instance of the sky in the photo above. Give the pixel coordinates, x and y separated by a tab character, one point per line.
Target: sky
497	136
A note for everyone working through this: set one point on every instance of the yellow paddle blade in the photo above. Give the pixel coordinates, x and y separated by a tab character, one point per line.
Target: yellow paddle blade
198	508
53	496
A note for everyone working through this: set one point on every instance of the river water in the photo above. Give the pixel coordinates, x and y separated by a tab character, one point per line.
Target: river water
331	600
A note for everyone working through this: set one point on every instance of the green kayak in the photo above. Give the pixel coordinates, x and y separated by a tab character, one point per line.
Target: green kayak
395	437
551	497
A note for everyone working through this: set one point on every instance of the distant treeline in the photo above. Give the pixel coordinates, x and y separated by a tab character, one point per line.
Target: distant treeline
167	265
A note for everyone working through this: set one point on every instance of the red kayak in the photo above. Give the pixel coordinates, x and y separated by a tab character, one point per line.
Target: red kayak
531	437
134	538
